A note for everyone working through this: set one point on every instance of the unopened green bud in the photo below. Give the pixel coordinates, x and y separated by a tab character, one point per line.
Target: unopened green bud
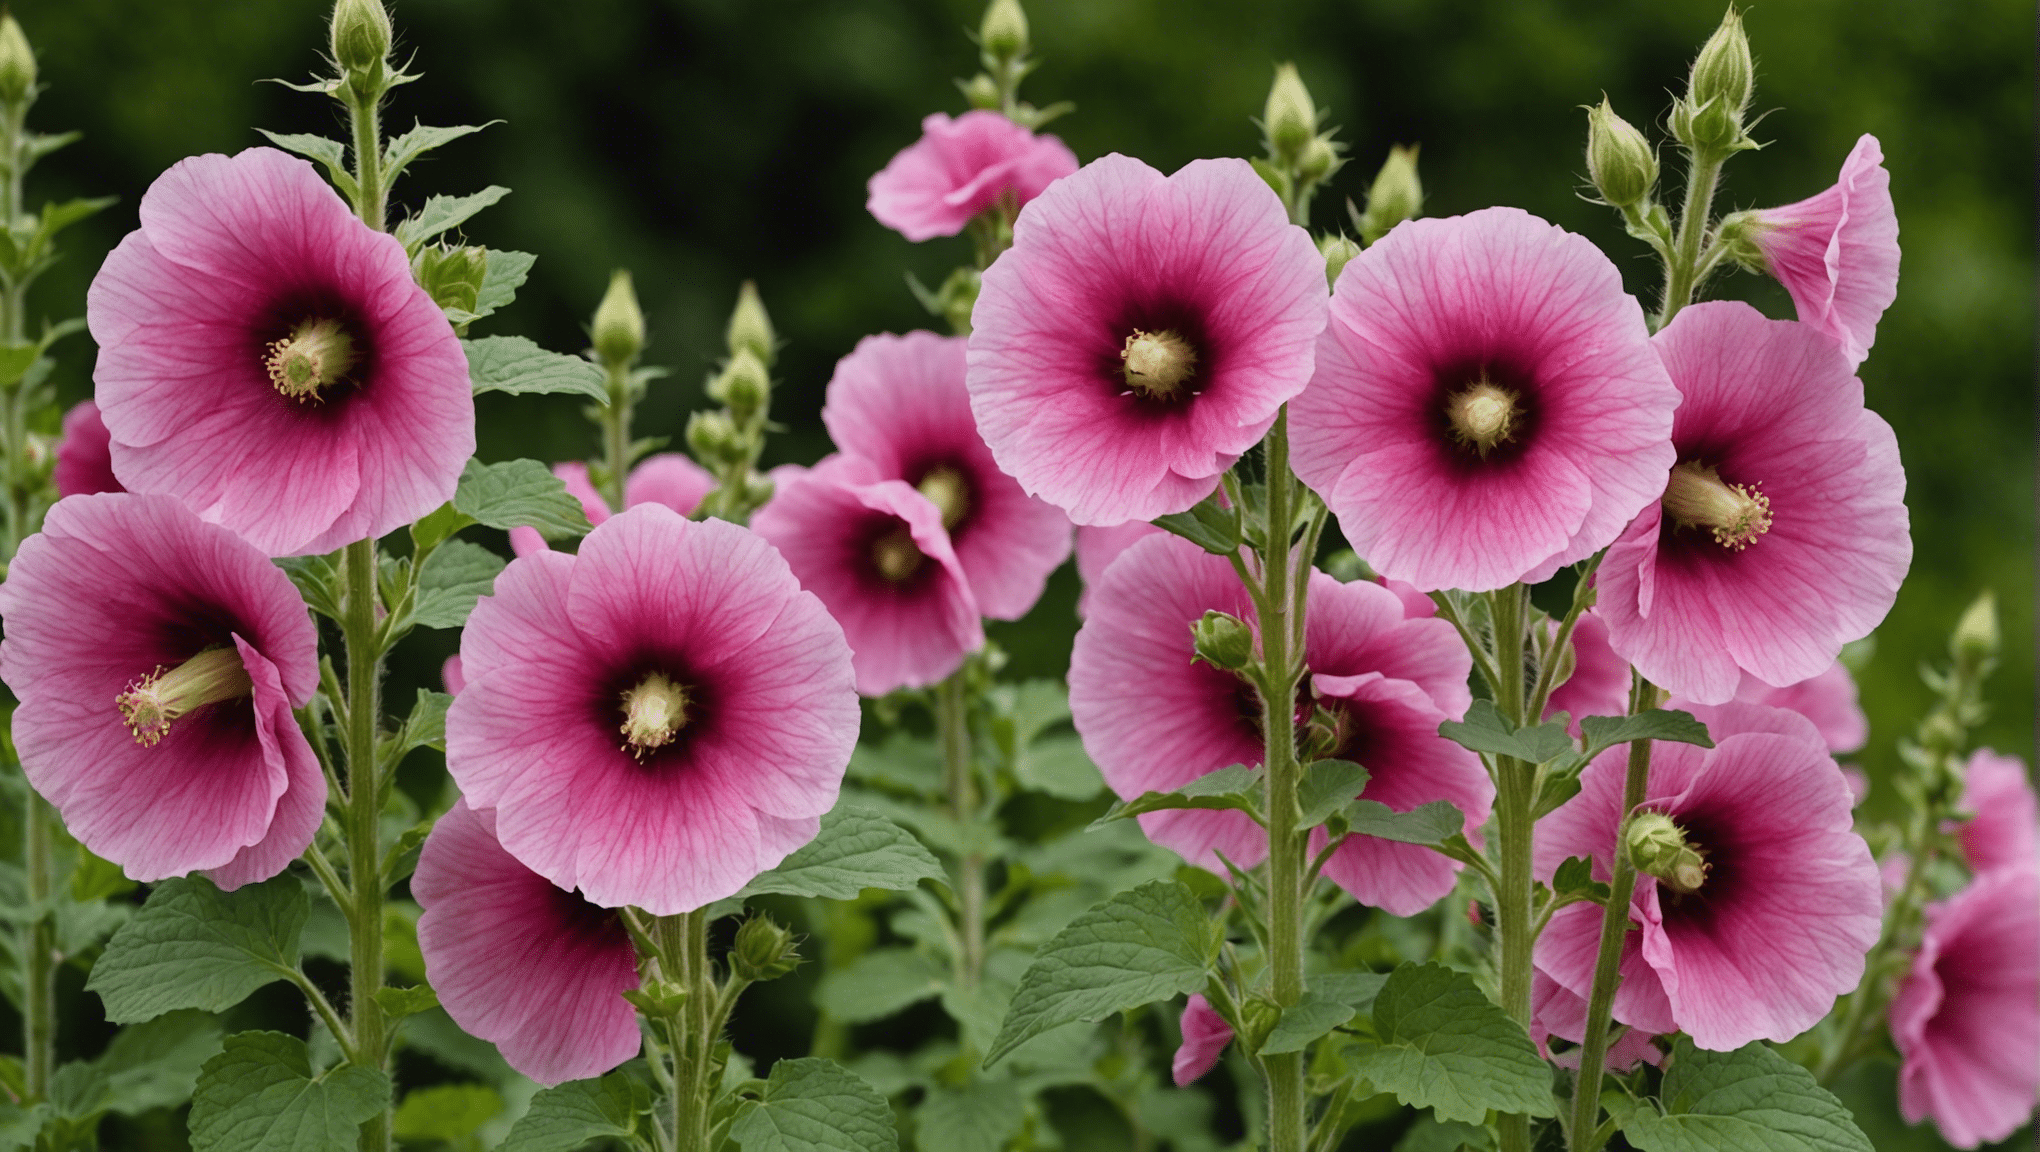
659	999
17	62
619	325
1319	160
981	90
1976	638
1258	1017
1290	118
1658	847
1223	640
1621	163
1003	33
1565	662
750	326
743	386
1338	250
1723	70
361	38
1397	194
763	950
714	438
452	276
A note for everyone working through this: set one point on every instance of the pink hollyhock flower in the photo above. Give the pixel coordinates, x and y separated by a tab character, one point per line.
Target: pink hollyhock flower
2005	832
961	167
1554	1011
669	478
157	659
450	675
1782	533
536	970
654	720
899	404
1829	700
1141	334
1756	939
1837	252
1205	1035
1966	1020
1098	547
1486	408
876	553
1415	603
1599	685
1153	720
84	464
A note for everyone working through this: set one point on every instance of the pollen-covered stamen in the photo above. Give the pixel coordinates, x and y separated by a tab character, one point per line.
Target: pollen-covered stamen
947	489
1659	847
151	703
653	713
314	356
1482	415
896	556
1697	497
1159	365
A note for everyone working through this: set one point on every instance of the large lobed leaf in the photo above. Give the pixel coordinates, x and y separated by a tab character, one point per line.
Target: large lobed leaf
856	849
259	1095
815	1105
194	946
1444	1045
1749	1100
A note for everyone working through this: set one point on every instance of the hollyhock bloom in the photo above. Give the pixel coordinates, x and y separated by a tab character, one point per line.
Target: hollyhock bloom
1415	604
669	478
899	404
1599	685
267	359
2005	832
157	659
1554	1011
84	463
1141	333
451	676
876	553
961	167
1487	407
1098	547
1205	1035
1829	700
1837	252
1152	720
654	720
534	969
1966	1020
1782	534
1767	918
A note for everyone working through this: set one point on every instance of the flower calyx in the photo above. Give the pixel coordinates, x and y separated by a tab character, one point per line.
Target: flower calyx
654	712
1697	497
764	950
150	704
314	357
1159	365
1658	847
1223	641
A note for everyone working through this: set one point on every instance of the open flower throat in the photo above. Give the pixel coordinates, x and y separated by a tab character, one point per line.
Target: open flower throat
1697	497
1484	416
1159	365
150	705
654	712
316	355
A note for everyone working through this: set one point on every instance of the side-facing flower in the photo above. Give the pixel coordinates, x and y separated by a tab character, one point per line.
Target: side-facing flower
1836	252
157	659
1782	533
899	404
669	478
534	969
1141	334
1758	901
961	167
84	462
1205	1035
654	720
1599	684
2005	830
267	359
1487	407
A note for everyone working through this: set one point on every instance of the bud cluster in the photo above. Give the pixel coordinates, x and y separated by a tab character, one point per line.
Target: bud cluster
1709	118
728	441
1300	157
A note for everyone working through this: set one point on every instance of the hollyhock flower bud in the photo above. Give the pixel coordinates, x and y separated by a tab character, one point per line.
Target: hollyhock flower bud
619	325
17	62
667	478
1223	641
157	659
452	276
714	437
1003	32
1395	196
1338	251
981	91
1723	73
84	462
1658	847
744	386
2005	830
750	327
1621	163
1976	637
962	167
361	39
1319	160
763	950
1291	117
1205	1035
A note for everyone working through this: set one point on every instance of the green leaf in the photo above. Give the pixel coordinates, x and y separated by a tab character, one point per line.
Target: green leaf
1235	787
579	1111
856	849
1561	783
57	216
1485	730
1444	1045
1304	1021
20	1126
982	1116
520	493
1209	524
151	1065
1059	766
1326	787
398	1003
259	1095
502	276
1431	823
446	1112
1575	878
1749	1100
455	575
878	984
1429	1134
330	153
1149	944
516	365
815	1105
443	212
438	526
425	727
1357	989
317	580
1604	732
398	153
194	946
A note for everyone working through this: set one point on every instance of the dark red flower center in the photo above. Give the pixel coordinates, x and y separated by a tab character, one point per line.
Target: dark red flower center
1485	411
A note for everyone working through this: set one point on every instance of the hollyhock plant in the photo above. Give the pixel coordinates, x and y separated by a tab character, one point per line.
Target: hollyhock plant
1783	531
84	463
1966	1019
536	970
961	167
1141	334
876	553
1205	1035
654	720
1768	902
668	478
157	659
2005	832
898	403
267	359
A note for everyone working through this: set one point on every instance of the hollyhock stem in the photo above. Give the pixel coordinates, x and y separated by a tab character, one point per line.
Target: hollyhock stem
1682	272
683	946
364	825
952	722
1515	787
1583	599
364	112
616	434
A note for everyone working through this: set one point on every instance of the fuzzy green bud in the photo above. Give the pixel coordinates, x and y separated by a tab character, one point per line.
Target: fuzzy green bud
1290	118
1223	640
1621	163
1338	251
743	386
981	90
714	438
1976	640
17	62
1723	70
361	39
1003	33
1397	194
750	327
619	325
1657	847
452	276
1319	160
763	950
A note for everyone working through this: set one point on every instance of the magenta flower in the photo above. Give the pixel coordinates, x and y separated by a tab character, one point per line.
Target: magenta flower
876	553
1486	408
2005	832
267	359
1966	1019
536	970
1782	533
1205	1035
1837	252
668	478
157	659
654	720
1097	548
899	404
84	463
1141	334
961	167
1599	685
1829	700
1554	1011
1756	939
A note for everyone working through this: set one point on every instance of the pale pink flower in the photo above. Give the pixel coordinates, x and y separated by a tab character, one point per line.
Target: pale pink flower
1415	603
451	676
84	463
1141	334
2005	832
1098	547
1788	904
1837	252
961	167
668	478
656	719
1782	534
268	360
1599	685
1828	699
1555	1011
157	659
1966	1020
536	970
1205	1035
1487	408
899	404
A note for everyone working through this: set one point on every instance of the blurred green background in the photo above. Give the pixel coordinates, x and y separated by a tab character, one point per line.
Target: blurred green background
703	142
